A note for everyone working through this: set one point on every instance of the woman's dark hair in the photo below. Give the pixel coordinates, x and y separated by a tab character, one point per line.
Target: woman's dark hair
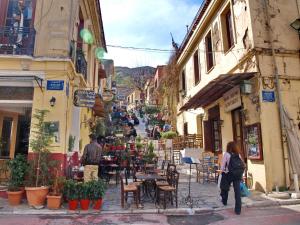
232	147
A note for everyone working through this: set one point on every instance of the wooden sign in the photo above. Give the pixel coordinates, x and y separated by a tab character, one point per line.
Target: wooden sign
232	99
84	98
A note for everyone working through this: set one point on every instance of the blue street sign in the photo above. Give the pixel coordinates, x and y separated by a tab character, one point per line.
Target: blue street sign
55	85
268	96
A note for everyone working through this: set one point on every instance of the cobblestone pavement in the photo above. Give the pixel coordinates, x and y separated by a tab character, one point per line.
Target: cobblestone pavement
204	195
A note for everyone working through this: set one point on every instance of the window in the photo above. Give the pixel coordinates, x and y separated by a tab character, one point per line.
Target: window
183	80
227	30
209	52
185	129
196	68
17	13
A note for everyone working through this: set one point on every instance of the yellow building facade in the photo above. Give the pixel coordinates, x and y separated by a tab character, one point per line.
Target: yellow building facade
238	60
43	61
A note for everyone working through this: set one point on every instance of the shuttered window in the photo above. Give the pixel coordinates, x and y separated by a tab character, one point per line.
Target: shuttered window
196	68
209	52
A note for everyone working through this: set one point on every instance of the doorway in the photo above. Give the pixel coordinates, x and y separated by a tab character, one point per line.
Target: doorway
237	127
8	133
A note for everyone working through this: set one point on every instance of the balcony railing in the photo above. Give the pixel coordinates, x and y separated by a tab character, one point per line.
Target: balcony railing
17	40
81	64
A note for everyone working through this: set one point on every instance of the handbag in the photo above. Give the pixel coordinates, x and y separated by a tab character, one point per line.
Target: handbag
219	181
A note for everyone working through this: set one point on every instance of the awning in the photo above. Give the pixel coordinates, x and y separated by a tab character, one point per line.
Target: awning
101	73
99	107
215	89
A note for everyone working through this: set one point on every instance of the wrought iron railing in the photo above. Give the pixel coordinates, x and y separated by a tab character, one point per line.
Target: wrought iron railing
81	64
17	40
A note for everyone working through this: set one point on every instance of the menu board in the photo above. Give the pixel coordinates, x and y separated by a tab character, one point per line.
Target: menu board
253	141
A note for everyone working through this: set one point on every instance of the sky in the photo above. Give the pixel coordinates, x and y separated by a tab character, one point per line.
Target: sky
145	24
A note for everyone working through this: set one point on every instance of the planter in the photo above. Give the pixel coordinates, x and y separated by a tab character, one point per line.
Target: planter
97	204
53	201
14	197
36	196
84	204
73	204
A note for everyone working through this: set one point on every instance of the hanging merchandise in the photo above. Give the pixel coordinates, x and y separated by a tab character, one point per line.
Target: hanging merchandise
99	53
87	36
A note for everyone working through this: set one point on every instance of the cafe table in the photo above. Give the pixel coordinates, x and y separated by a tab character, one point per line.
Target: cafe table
149	184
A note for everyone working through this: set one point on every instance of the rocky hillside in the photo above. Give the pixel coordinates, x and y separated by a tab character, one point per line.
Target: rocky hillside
124	75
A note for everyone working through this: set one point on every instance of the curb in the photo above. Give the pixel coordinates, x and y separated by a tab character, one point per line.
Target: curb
176	211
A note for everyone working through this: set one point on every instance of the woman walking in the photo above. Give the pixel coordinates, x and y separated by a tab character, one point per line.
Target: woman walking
232	171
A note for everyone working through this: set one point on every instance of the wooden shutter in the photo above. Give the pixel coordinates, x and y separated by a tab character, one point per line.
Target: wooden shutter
208	141
3	9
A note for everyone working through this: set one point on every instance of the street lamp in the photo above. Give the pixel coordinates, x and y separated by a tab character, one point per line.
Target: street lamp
52	101
296	25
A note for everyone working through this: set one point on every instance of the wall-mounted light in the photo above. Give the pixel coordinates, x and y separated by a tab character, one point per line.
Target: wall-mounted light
52	101
246	87
296	25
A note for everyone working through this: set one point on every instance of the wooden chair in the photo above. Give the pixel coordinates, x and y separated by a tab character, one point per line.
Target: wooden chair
169	191
198	141
128	188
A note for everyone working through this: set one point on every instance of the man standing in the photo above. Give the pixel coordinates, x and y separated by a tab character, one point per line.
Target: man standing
91	159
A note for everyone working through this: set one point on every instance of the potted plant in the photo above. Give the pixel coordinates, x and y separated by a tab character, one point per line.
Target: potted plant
38	177
98	188
71	193
54	197
18	167
150	156
84	195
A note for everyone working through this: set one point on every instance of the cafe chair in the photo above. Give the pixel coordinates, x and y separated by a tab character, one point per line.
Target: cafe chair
169	191
126	189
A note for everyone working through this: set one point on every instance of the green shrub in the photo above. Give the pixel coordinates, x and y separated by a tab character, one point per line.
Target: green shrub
168	134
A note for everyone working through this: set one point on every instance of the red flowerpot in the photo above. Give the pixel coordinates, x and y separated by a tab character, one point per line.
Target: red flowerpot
73	204
98	204
84	204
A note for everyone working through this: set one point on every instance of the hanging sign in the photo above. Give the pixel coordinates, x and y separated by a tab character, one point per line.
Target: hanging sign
268	96
84	98
55	85
232	99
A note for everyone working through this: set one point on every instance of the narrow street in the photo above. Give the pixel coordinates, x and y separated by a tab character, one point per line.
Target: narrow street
289	215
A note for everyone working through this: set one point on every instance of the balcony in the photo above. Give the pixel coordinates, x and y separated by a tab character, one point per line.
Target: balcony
17	40
81	64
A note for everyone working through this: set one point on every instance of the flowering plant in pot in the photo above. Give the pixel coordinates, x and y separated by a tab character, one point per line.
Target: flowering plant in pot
54	197
71	193
39	177
18	167
97	190
84	195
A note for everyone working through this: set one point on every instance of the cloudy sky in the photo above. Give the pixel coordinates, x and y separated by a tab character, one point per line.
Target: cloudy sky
145	24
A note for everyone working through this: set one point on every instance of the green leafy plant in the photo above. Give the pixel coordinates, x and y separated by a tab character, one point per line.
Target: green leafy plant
139	145
71	190
71	143
138	138
151	110
168	134
84	190
97	189
40	165
150	156
18	168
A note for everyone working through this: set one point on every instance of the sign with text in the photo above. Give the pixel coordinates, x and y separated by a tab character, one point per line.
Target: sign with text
268	96
84	98
55	85
232	99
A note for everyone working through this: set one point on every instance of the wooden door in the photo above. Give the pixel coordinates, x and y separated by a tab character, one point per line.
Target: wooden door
8	133
237	125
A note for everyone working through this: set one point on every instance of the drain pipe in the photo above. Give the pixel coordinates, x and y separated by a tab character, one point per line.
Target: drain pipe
279	102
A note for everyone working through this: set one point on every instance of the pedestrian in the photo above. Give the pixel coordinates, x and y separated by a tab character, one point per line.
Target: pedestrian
91	158
232	167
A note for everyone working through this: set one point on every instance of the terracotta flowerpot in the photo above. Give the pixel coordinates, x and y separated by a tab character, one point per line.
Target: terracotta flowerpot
84	204
36	196
53	201
73	204
14	197
97	204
